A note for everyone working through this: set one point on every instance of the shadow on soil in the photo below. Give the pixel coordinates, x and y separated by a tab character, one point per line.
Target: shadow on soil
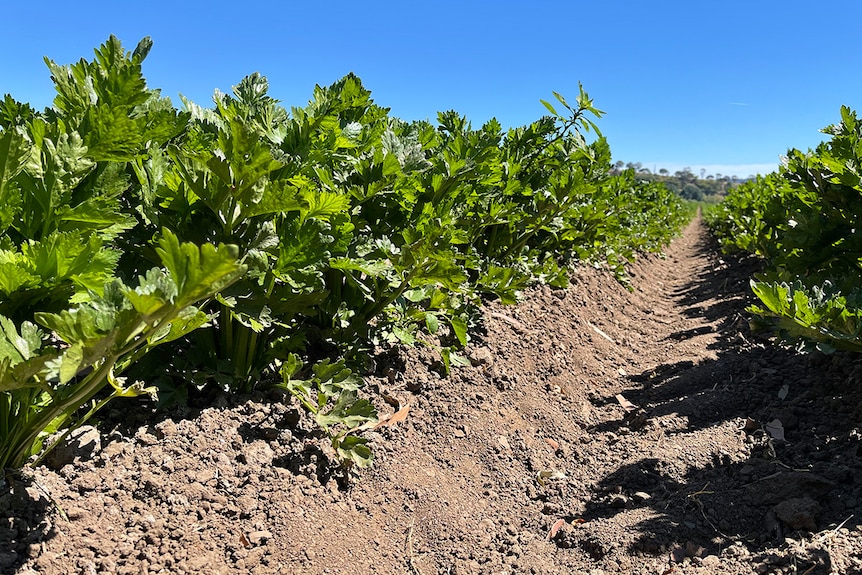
801	488
24	509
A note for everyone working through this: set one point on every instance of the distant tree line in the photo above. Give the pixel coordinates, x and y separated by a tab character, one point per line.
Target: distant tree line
703	187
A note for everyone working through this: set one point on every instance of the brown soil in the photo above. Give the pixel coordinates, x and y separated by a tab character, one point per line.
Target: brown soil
598	431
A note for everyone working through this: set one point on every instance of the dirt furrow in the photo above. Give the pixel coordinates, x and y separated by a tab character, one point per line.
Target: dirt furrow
598	430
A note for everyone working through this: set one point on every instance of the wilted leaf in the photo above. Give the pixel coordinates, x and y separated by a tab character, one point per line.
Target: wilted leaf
750	424
396	417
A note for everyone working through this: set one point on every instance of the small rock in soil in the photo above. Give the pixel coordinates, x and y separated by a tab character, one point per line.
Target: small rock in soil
798	513
481	356
259	537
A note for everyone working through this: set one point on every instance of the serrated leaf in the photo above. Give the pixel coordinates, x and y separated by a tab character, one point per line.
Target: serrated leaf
31	373
277	198
18	347
199	272
349	411
333	378
146	303
374	268
291	366
189	320
324	205
14	152
403	335
355	450
301	245
13	277
142	49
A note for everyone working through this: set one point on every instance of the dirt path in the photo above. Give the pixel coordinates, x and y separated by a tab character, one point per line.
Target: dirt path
598	431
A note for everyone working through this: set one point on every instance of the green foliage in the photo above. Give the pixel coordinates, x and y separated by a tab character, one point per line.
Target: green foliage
44	381
331	396
804	222
819	314
354	229
64	185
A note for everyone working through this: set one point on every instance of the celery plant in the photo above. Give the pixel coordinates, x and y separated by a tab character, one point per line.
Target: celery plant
45	381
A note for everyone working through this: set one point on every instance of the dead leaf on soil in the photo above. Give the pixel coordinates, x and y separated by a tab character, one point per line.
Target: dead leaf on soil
555	528
750	425
625	403
396	417
544	475
243	540
775	429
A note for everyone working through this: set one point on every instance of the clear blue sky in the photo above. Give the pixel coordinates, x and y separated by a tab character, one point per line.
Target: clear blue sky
724	85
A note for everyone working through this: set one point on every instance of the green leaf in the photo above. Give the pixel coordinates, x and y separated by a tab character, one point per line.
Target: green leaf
431	322
550	108
354	450
14	152
403	335
14	277
349	411
199	272
302	245
187	321
459	326
291	366
142	49
332	378
71	362
18	347
375	268
28	374
323	205
277	198
562	100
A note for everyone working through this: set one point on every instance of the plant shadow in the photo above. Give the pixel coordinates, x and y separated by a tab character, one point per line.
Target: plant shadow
25	508
779	497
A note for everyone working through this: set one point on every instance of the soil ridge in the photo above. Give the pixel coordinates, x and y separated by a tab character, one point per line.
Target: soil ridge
597	430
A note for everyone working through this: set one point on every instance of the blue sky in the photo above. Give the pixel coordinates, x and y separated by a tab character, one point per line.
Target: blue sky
728	86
